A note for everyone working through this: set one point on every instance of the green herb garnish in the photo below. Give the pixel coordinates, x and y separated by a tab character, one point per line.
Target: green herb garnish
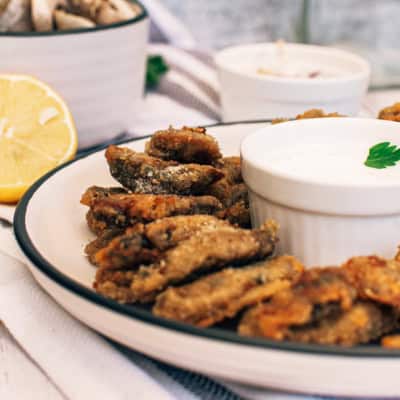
383	155
156	68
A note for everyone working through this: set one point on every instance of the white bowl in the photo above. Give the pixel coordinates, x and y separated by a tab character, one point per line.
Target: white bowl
310	176
246	94
98	71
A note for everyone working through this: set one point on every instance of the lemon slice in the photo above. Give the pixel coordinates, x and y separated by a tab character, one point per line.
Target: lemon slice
37	133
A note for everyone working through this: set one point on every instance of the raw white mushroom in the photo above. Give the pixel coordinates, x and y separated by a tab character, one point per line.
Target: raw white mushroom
113	11
86	8
42	14
15	15
3	5
65	21
105	12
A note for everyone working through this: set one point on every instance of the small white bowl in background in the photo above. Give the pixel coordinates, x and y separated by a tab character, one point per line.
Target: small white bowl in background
310	176
99	71
248	94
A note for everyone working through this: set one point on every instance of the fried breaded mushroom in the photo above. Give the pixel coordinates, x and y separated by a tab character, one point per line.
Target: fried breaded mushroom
320	293
313	113
186	145
223	294
204	251
375	278
391	341
142	173
391	113
143	244
125	210
361	323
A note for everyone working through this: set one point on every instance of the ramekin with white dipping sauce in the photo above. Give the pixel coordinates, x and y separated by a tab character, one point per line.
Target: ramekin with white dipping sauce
310	176
270	80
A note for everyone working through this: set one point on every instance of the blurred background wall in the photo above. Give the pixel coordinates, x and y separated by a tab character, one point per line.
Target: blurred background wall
368	27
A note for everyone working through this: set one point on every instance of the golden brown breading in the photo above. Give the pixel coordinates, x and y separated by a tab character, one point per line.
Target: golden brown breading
142	173
97	225
239	214
128	250
143	244
227	193
186	145
320	293
223	294
231	168
375	278
205	250
391	113
100	242
313	113
168	232
361	323
124	210
391	341
95	193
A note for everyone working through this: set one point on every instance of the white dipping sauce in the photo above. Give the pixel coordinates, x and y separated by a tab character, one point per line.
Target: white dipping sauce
332	163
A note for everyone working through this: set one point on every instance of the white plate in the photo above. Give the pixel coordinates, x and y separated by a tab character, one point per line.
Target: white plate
51	230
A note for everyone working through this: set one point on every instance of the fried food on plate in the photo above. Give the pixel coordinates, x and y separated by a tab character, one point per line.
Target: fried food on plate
142	173
168	232
375	278
128	250
186	145
239	214
231	168
95	193
313	113
143	244
223	294
319	294
391	341
124	210
100	242
206	250
391	113
361	323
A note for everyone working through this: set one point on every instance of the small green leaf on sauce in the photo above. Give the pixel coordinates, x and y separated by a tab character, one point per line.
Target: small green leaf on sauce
383	155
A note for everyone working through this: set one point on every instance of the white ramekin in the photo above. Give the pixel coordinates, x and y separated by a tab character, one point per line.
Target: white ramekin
249	95
98	71
324	223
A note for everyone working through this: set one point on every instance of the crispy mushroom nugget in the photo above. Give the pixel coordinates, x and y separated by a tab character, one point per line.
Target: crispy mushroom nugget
320	293
223	294
363	322
391	113
313	113
206	250
100	242
168	232
186	145
142	173
391	341
231	168
124	210
143	244
95	193
128	250
375	278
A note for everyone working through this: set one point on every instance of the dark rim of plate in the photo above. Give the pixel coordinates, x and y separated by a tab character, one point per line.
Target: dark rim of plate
55	275
34	34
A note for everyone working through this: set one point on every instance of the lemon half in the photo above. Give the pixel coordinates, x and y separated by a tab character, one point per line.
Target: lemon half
37	133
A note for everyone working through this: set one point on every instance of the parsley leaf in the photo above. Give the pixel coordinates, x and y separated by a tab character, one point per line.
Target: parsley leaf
156	67
383	155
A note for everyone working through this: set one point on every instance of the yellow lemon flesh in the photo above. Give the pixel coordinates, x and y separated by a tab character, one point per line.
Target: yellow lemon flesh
37	133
